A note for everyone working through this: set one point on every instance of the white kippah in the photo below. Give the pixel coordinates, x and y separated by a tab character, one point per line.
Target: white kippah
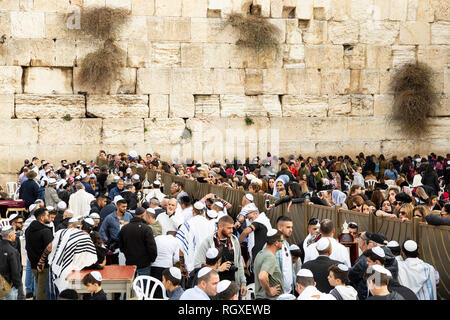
252	207
305	273
212	253
156	182
117	198
199	205
212	214
97	275
381	269
116	178
223	285
272	232
32	207
379	252
89	221
69	211
342	267
392	244
286	296
6	228
249	197
175	272
322	244
50	208
13	216
203	271
133	153
219	204
135	177
257	181
293	247
62	205
151	210
410	245
73	220
94	216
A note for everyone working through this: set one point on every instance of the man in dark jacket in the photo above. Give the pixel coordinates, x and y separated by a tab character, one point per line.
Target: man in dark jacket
440	220
29	190
38	239
10	265
137	243
98	204
319	267
311	180
129	194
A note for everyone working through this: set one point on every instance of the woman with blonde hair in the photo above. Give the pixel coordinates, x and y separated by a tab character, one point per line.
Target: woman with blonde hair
421	196
405	212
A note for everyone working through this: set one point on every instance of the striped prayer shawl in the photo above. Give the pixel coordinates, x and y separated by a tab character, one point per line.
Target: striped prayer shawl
72	249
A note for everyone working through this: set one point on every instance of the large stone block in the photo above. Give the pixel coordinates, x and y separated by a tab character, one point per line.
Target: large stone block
440	32
324	56
385	81
335	82
27	24
192	55
42	53
19	131
383	104
142	7
212	30
159	106
135	28
328	129
118	106
340	10
253	81
229	81
30	106
166	54
414	33
181	106
139	54
232	105
379	57
441	10
168	8
274	81
444	106
15	52
194	8
293	32
162	129
10	79
362	105
425	11
124	83
5	21
6	106
379	32
303	81
65	53
346	32
169	29
339	106
304	106
119	4
123	131
9	5
403	55
39	80
76	131
398	10
153	80
192	81
316	33
355	57
217	55
361	10
207	106
370	81
440	55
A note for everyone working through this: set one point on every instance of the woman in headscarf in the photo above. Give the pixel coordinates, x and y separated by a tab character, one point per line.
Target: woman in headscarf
338	198
279	183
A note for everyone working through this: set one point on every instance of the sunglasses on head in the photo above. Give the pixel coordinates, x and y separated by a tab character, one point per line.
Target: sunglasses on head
313	222
353	225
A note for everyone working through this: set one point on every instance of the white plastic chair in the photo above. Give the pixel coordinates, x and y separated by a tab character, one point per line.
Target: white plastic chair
11	188
250	292
142	284
16	194
370	184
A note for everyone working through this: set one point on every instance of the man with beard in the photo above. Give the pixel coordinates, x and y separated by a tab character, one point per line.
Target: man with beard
176	190
285	226
231	251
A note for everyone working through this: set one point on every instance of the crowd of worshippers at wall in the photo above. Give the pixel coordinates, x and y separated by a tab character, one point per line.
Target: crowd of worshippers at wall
86	216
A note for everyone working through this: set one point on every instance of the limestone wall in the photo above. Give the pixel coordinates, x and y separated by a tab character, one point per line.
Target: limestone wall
326	92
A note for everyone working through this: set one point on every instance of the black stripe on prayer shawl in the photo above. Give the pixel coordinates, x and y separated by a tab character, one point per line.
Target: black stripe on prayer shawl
70	242
80	247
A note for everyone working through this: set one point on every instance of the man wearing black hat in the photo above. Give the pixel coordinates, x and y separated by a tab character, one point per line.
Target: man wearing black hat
369	240
137	243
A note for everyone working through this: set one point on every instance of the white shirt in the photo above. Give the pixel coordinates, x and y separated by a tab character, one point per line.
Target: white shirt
167	224
168	254
311	291
187	213
338	252
194	294
287	268
80	202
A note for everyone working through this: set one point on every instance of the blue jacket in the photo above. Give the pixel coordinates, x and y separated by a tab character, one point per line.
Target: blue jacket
88	188
114	192
29	191
110	227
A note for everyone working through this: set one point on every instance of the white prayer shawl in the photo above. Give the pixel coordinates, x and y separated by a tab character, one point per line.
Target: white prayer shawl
155	193
80	203
338	252
72	249
310	292
262	218
418	276
190	235
194	293
187	213
305	243
167	224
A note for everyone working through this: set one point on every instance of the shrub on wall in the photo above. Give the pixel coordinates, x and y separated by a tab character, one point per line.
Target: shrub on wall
415	98
102	22
255	32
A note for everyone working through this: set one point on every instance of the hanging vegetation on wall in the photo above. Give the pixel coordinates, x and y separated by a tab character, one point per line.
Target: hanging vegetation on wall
415	98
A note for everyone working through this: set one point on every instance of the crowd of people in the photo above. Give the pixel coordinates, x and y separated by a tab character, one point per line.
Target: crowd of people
90	215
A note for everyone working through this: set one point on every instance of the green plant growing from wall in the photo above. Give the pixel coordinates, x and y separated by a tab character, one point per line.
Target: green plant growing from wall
186	134
255	32
248	121
67	117
99	69
415	98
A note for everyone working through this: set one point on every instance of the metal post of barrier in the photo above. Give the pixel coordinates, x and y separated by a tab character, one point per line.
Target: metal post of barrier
306	214
415	231
372	223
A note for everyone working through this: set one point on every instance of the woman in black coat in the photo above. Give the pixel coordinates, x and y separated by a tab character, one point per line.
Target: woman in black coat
430	178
